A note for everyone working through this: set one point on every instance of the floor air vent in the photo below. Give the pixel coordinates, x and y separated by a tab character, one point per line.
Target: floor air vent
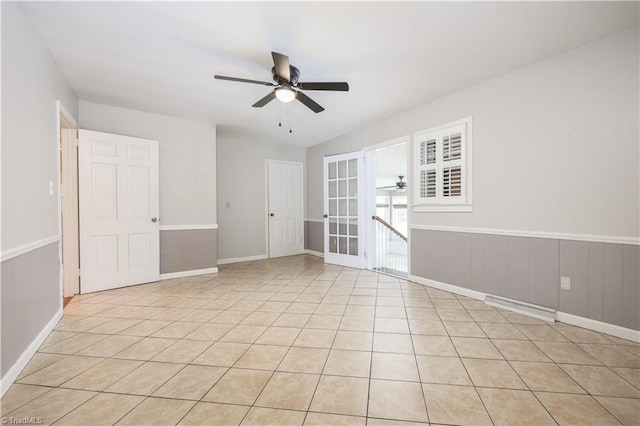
535	311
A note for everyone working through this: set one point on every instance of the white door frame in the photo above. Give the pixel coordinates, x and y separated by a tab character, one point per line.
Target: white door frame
370	174
266	201
68	258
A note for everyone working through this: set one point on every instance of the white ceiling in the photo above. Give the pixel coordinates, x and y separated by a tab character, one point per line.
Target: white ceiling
161	56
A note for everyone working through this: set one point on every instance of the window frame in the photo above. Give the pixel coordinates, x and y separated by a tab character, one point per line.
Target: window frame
439	202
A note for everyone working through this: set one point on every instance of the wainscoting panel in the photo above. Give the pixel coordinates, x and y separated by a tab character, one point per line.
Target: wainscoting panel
188	250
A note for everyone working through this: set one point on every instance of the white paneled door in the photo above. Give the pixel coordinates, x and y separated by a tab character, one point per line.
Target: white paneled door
285	208
119	207
344	210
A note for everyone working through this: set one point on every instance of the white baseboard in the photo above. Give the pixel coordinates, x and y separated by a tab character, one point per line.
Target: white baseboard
241	259
191	273
314	253
599	326
448	287
21	363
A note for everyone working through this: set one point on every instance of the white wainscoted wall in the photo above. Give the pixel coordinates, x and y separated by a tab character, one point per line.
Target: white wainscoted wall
555	186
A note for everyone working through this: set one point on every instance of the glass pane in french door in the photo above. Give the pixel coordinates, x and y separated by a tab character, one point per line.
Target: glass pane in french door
342	186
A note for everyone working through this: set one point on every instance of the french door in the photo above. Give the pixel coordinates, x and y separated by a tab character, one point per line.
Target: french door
343	210
119	206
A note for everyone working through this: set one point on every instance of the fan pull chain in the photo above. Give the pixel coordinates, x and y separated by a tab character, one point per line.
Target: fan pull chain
280	116
290	121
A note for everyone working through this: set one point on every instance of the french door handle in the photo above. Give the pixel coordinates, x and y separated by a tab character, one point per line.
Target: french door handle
271	214
154	219
325	216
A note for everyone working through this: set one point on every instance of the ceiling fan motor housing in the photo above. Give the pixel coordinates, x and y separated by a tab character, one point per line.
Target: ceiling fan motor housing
294	73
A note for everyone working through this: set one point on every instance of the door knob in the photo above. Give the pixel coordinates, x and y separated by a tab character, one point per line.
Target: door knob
325	216
271	214
154	219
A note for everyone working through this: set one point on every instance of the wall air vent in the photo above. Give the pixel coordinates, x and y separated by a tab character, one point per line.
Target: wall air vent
535	311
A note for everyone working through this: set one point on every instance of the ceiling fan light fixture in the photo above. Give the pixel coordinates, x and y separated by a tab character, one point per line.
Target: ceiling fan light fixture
285	94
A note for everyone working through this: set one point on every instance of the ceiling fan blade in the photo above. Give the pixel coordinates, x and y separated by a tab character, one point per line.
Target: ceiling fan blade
242	80
335	86
282	65
310	103
262	102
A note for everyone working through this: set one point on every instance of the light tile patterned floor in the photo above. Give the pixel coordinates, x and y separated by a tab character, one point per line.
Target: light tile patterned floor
293	341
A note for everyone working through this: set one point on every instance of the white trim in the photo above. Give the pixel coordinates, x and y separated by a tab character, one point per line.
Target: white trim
188	227
388	144
448	287
314	220
21	363
599	326
314	253
533	234
26	248
241	259
191	273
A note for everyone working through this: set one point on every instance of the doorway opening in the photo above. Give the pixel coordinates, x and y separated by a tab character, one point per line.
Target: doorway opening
389	228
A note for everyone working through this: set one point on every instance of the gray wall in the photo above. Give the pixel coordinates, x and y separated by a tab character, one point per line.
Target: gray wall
241	187
30	298
188	250
605	278
314	236
31	85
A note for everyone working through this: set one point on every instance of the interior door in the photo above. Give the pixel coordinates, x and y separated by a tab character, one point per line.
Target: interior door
285	206
119	206
344	210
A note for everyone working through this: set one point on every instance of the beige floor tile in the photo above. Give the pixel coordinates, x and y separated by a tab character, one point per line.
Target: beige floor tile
397	312
569	409
82	324
145	328
444	370
238	386
230	317
177	330
262	357
115	326
18	395
315	338
214	414
39	361
394	367
520	350
516	318
183	351
244	334
425	314
145	379
471	347
360	311
454	315
427	327
391	325
258	416
455	405
600	381
546	377
514	407
391	342
348	363
291	320
463	329
353	340
169	314
145	349
631	375
322	419
331	309
612	355
433	345
156	411
362	300
291	391
330	322
541	333
57	373
492	373
103	375
496	330
74	344
396	400
260	318
192	382
487	316
304	360
109	346
580	335
222	354
56	337
52	405
283	336
103	409
201	315
386	422
341	395
626	410
209	332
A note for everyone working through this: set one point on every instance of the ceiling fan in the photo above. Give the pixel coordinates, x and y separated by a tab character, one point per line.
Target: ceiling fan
400	186
287	86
